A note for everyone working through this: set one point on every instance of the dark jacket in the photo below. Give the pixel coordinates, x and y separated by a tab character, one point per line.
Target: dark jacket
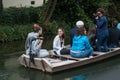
102	25
72	33
114	35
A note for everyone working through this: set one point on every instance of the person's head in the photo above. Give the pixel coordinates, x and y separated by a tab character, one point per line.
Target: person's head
100	12
92	30
37	28
114	23
35	25
61	33
81	31
79	24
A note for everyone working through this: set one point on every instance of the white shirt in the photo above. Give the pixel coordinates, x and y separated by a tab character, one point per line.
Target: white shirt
57	44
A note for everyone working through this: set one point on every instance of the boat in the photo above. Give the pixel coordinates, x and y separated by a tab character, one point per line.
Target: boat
56	63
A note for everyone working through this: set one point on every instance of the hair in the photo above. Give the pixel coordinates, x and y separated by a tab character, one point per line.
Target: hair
114	23
92	30
36	30
80	31
63	36
101	10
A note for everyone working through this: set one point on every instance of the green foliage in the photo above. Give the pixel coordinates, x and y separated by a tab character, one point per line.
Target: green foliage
13	16
71	11
16	32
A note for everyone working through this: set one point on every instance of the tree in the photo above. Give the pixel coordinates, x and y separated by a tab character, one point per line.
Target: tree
44	1
48	11
1	5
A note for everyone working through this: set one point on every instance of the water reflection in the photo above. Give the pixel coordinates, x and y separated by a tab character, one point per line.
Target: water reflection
81	77
11	70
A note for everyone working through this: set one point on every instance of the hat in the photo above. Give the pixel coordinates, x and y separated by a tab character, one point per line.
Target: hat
79	23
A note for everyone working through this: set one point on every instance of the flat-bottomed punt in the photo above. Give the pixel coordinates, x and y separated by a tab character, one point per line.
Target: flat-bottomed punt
56	63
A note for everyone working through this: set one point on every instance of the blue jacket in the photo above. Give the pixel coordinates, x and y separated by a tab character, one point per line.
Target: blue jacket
102	25
80	43
118	26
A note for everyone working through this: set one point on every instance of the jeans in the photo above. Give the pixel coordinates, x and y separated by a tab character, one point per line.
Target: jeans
82	54
112	46
102	40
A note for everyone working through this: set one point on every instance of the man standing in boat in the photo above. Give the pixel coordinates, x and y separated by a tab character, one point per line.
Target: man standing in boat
102	29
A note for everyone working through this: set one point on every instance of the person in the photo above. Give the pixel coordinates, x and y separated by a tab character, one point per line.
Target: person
118	25
81	46
58	43
92	36
74	30
34	42
114	35
102	30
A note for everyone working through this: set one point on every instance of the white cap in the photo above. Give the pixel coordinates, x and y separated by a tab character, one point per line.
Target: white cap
79	23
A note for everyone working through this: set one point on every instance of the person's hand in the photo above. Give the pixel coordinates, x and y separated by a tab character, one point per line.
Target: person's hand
41	41
96	17
63	47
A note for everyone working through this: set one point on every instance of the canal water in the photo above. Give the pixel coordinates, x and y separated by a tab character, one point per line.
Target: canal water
11	70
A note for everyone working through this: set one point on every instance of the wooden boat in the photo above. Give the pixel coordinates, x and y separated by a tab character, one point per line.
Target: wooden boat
57	63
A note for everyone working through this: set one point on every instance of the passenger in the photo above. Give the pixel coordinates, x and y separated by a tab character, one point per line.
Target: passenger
34	42
58	43
102	30
118	25
92	36
74	30
81	46
114	35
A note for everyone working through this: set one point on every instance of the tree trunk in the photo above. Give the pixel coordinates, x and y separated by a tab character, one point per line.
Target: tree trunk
44	1
52	8
1	5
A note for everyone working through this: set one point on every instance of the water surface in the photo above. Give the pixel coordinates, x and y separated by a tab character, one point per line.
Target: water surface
11	70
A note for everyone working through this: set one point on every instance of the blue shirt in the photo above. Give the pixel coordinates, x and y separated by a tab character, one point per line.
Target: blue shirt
80	43
102	25
118	26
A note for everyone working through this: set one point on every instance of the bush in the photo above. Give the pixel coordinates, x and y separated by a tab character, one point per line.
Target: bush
13	16
16	32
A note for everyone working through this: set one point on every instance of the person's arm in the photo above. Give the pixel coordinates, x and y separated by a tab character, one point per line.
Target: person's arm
40	43
87	43
100	22
37	44
55	42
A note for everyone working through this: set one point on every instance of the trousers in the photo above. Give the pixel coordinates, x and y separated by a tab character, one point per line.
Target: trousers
102	40
82	54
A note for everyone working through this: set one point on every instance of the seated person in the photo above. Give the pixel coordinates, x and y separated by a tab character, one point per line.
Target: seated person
92	35
81	46
118	26
34	42
74	30
114	36
58	43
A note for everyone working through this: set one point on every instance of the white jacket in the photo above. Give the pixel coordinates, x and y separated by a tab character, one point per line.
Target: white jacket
57	44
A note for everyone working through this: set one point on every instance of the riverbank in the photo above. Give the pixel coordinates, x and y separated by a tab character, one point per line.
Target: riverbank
14	32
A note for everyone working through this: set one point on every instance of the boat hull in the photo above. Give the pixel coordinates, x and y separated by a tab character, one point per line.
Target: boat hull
54	65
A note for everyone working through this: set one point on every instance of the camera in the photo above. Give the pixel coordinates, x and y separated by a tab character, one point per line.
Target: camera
41	38
95	15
